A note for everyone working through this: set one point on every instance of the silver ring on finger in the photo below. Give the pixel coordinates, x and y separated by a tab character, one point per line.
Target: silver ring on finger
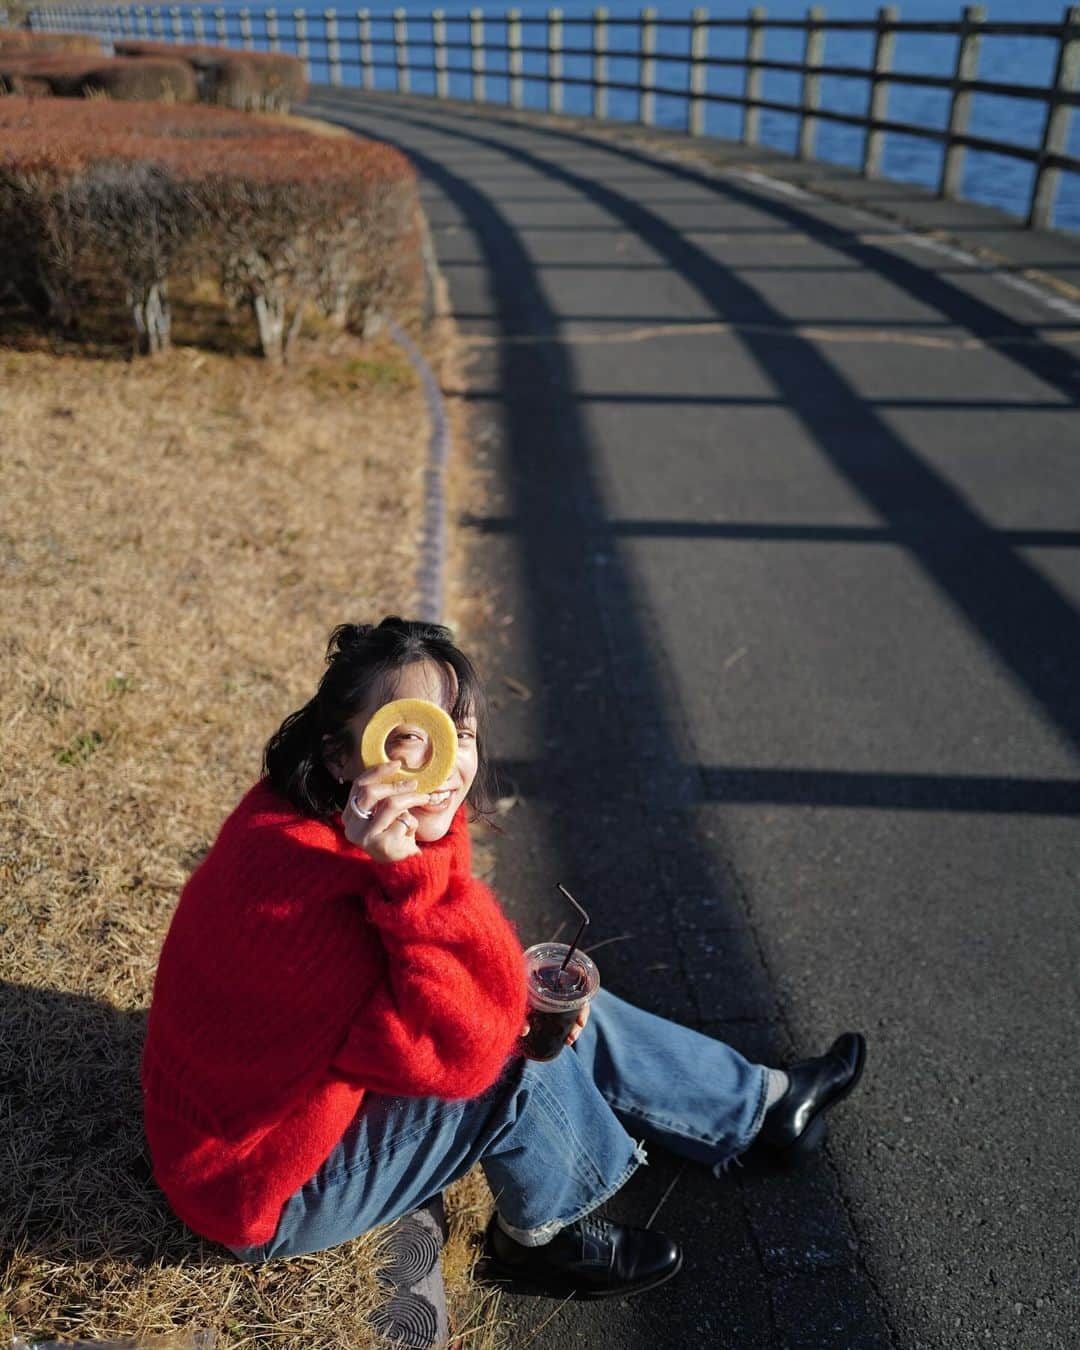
364	815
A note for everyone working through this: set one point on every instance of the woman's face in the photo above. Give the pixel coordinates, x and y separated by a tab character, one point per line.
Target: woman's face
409	745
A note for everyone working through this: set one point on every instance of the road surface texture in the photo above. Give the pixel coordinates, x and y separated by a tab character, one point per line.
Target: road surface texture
786	517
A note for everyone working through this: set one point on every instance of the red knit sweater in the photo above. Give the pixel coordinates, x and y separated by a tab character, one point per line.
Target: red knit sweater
296	974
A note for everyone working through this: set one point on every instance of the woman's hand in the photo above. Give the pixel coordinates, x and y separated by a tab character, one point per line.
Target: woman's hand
579	1025
377	816
575	1030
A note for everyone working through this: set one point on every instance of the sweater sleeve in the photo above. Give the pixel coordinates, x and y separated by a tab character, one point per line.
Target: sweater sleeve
452	1003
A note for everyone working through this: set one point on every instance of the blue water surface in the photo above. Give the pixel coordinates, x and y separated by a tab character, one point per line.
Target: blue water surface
995	179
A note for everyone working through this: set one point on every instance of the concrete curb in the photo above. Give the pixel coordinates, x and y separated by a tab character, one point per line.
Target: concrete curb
431	578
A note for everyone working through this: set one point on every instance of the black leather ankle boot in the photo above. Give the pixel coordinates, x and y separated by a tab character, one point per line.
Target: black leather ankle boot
794	1126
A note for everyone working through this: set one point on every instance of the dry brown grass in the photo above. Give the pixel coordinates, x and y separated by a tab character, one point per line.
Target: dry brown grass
177	537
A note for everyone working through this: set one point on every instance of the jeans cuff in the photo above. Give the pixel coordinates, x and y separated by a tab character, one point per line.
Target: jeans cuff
531	1237
251	1256
541	1236
719	1168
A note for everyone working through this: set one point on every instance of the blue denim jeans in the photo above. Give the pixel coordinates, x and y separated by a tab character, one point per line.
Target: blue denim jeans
554	1139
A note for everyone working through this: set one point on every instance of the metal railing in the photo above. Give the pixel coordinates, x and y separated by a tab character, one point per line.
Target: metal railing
445	46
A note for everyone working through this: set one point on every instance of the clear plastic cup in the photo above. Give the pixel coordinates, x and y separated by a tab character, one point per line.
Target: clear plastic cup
555	996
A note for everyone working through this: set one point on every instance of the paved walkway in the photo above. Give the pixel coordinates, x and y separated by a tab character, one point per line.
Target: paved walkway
786	522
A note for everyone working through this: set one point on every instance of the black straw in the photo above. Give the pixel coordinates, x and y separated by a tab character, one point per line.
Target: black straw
583	925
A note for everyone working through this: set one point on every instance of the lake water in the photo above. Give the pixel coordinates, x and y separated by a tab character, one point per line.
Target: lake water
991	178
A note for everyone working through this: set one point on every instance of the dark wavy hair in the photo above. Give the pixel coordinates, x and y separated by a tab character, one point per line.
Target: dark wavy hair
362	664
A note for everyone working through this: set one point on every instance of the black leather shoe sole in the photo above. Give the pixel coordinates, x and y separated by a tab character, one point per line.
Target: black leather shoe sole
551	1285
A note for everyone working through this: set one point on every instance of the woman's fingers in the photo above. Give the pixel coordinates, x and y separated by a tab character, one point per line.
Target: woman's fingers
377	817
367	798
377	772
381	774
382	781
579	1025
397	807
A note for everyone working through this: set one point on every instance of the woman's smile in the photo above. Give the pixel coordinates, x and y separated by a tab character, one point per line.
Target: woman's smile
437	801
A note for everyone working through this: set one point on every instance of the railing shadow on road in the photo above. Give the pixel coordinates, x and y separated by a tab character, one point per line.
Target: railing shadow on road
754	269
786	533
853	790
1031	538
1023	618
919	280
841	327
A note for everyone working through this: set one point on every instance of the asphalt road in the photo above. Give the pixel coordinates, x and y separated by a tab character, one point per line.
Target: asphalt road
786	533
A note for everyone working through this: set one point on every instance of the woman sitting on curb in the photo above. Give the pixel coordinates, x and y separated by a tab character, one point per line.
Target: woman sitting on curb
336	1021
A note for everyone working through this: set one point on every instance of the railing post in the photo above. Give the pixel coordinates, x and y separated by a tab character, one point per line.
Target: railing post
755	51
699	71
811	83
967	66
273	36
367	62
176	19
198	25
302	48
247	35
220	32
438	41
878	105
476	54
554	61
363	37
647	68
333	45
1055	137
144	20
514	61
600	66
401	50
159	23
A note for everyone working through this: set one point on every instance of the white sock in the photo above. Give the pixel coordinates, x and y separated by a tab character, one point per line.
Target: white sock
529	1237
777	1086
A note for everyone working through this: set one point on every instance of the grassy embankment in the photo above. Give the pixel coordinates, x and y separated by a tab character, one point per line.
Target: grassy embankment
177	537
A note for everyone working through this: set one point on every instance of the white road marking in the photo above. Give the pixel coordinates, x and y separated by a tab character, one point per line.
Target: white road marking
897	234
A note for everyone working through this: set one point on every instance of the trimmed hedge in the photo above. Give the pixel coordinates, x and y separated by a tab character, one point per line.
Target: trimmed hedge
68	76
268	81
282	218
21	50
252	81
